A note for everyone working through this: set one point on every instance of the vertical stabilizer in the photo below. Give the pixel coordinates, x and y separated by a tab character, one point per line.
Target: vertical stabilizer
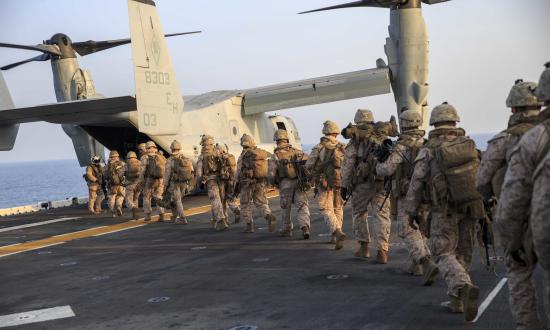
8	133
159	102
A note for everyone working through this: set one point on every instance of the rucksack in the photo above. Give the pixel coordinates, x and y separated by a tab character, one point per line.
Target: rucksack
286	162
255	165
228	166
458	161
133	168
155	166
183	170
115	173
330	165
210	163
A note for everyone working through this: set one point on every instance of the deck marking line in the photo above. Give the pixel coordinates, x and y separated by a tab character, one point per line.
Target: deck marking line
79	231
119	230
34	224
39	315
31	249
490	298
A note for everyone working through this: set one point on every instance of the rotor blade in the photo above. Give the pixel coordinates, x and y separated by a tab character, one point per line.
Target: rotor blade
363	3
88	47
41	57
48	49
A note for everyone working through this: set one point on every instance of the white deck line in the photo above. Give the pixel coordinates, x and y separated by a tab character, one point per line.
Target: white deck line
39	315
490	298
34	224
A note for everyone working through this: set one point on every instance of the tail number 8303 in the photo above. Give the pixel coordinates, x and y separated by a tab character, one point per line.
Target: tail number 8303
157	77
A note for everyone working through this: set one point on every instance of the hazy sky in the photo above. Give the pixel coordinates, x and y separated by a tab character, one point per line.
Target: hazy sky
478	48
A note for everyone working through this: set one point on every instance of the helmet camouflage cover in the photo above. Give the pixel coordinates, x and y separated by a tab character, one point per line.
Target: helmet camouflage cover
280	134
207	140
363	116
522	94
113	153
442	113
175	145
150	144
131	154
247	141
410	119
330	127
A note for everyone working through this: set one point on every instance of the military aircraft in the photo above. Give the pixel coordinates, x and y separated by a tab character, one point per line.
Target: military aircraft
157	111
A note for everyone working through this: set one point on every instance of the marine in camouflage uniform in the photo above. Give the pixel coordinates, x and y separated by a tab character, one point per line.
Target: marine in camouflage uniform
400	165
522	216
142	154
325	163
228	174
284	173
367	190
176	186
252	190
152	187
94	180
452	229
114	177
208	170
133	168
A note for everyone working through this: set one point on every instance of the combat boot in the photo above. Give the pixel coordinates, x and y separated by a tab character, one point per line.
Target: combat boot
162	217
237	214
249	228
340	238
119	211
135	213
430	270
305	232
181	221
382	257
363	251
224	224
147	217
455	305
114	214
469	294
271	222
286	232
415	269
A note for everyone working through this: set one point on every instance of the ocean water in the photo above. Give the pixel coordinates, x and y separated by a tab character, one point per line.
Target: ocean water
34	182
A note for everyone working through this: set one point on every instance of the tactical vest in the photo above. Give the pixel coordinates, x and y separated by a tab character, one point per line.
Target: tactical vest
287	158
155	166
254	164
97	173
133	168
328	168
228	167
115	173
404	172
210	162
498	179
452	177
182	169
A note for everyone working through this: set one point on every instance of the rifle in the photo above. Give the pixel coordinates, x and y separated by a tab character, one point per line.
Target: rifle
345	196
486	231
387	190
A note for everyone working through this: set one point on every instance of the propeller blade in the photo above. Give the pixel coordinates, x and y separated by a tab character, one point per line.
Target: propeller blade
363	3
88	47
41	57
48	49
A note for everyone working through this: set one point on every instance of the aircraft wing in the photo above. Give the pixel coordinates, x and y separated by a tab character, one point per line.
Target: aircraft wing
317	90
80	112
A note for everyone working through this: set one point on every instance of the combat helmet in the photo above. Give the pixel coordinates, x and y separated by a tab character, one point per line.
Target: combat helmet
444	113
247	141
207	140
280	134
175	145
363	116
96	159
330	127
150	144
522	95
543	89
130	155
113	153
410	119
222	148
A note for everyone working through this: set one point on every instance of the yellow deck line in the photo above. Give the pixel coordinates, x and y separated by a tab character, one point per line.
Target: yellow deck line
58	239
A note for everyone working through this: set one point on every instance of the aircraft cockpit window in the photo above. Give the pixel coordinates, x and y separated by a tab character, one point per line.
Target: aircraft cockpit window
281	125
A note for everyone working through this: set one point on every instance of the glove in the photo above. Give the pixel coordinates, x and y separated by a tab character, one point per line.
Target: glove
344	193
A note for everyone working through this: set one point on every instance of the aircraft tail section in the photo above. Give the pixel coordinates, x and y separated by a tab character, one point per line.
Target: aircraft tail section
8	132
159	102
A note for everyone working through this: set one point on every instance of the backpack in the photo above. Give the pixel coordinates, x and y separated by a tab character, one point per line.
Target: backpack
458	161
155	166
210	163
115	173
328	169
183	169
255	165
286	162
228	166
133	169
405	170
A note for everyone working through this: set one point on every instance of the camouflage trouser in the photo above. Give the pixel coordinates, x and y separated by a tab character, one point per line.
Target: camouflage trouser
153	189
116	197
541	240
521	286
215	196
253	194
178	191
362	206
95	197
416	243
231	202
289	194
330	206
451	243
132	194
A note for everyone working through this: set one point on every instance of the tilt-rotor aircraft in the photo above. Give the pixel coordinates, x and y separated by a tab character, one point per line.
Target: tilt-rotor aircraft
158	111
